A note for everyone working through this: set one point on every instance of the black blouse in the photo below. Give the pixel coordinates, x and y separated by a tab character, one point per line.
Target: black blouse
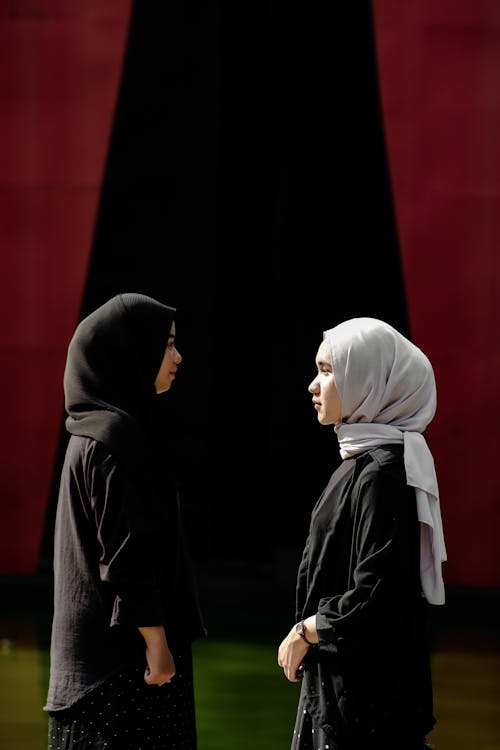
369	677
120	563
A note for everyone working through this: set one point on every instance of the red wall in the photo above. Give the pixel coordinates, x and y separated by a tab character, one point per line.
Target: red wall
59	76
439	65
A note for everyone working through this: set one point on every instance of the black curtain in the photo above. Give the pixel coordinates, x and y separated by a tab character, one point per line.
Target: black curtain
247	183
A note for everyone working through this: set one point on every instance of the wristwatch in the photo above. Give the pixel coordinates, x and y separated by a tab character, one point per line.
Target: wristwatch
299	628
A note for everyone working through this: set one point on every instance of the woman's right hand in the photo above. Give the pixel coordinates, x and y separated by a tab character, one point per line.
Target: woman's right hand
160	662
291	655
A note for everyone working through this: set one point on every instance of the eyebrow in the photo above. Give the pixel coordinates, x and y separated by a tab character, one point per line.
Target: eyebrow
323	363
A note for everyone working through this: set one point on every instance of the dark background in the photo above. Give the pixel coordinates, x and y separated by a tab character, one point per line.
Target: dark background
246	162
248	186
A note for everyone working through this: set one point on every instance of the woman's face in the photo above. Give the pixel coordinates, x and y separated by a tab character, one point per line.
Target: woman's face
326	399
168	367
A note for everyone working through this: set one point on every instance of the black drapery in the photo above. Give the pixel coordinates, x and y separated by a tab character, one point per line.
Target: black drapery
247	184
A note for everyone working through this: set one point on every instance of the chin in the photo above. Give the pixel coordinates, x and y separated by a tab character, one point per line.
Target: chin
325	421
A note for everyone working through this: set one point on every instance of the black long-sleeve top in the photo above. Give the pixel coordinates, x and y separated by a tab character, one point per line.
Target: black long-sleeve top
369	676
119	564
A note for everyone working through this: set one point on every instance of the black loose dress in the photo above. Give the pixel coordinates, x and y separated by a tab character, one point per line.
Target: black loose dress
120	563
367	684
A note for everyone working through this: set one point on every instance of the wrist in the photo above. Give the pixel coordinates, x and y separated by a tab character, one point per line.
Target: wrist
301	630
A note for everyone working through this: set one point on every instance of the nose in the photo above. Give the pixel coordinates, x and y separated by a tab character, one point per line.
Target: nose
313	386
177	357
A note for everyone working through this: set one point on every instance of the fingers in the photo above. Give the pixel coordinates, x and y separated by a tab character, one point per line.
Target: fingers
290	655
157	678
293	673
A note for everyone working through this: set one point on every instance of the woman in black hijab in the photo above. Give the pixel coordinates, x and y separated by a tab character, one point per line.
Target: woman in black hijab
125	603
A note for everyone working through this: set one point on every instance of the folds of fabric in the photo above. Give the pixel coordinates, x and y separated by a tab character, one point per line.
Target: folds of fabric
420	474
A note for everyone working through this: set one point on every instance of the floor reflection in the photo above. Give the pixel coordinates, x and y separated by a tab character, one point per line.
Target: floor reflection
242	698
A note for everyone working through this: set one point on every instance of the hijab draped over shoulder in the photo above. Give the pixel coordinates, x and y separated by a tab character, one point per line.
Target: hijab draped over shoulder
112	362
388	393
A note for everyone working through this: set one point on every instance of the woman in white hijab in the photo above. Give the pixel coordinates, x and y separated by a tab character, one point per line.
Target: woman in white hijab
372	560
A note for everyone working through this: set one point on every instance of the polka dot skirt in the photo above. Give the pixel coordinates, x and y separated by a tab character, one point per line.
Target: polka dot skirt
306	736
127	714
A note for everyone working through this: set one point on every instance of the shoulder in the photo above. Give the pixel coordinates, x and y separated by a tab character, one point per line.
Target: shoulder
90	458
380	473
87	450
384	461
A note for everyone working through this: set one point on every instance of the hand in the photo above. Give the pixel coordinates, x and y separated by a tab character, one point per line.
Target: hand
291	655
160	662
160	668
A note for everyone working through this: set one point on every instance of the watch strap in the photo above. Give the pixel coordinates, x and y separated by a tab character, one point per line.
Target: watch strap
299	628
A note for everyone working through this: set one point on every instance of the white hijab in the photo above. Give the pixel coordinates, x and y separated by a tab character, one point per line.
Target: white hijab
388	394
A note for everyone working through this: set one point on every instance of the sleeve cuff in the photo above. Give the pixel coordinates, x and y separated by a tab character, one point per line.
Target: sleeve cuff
137	611
327	636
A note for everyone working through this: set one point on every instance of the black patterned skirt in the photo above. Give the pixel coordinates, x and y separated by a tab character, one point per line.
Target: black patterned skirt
124	713
307	735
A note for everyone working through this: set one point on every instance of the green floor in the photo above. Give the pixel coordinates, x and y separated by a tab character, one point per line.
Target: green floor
242	698
243	701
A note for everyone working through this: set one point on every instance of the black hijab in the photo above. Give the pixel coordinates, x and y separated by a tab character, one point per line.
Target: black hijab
112	362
